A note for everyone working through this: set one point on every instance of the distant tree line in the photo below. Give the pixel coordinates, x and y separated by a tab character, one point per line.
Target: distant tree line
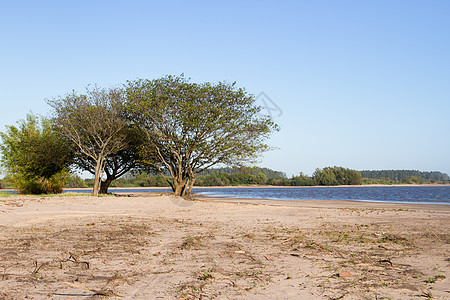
404	175
263	176
6	183
270	174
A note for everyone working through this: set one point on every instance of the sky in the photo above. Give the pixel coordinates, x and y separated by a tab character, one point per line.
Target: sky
359	84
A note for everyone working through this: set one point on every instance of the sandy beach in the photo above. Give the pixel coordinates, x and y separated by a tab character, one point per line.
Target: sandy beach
157	246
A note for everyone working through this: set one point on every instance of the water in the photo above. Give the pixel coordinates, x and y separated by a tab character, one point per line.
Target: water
386	194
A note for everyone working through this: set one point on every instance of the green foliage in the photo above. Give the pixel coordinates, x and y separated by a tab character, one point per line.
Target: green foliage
336	176
260	179
35	157
384	181
414	180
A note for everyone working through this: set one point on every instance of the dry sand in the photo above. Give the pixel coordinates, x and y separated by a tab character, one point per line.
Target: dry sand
150	246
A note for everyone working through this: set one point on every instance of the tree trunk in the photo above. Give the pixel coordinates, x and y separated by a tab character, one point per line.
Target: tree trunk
191	184
96	182
179	186
98	176
104	185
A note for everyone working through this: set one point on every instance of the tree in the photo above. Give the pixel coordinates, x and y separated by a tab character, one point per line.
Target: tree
95	124
117	164
324	176
353	177
260	178
191	127
35	157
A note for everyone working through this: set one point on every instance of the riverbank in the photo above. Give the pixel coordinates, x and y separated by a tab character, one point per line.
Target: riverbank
253	186
149	246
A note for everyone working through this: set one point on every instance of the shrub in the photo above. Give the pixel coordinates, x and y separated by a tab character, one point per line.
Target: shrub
337	176
35	157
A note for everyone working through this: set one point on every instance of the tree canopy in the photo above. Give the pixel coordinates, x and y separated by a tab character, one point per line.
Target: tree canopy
191	127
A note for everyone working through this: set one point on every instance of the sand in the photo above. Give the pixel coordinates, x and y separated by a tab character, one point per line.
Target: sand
154	246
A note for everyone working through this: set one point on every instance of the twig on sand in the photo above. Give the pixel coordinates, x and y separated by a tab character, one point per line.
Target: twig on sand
386	261
162	272
36	268
74	259
427	294
97	292
435	235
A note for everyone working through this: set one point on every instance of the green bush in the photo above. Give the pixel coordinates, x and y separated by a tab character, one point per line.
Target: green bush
40	185
337	176
415	180
35	157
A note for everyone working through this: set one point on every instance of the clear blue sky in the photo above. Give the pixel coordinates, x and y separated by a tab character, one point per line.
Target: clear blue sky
362	84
